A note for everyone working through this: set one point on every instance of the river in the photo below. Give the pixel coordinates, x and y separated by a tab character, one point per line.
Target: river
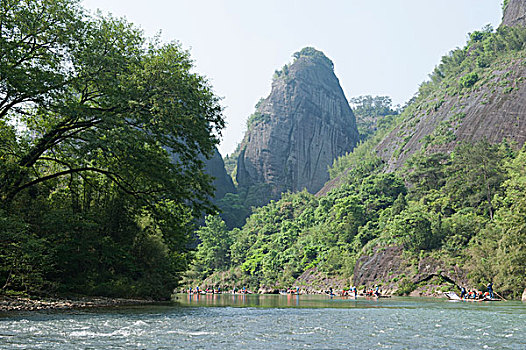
274	322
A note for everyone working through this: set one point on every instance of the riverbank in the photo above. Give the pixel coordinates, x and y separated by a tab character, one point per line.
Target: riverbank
428	282
31	304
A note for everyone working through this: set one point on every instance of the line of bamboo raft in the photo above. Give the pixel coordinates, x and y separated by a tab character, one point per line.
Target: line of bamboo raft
367	294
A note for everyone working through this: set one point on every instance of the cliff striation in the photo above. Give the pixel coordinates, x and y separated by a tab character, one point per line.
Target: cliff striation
297	131
475	93
514	13
494	111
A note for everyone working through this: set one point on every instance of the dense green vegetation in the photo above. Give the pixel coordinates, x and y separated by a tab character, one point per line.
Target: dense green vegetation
464	209
100	177
452	208
363	160
369	111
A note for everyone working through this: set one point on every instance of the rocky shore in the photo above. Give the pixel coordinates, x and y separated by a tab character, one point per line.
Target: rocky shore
30	304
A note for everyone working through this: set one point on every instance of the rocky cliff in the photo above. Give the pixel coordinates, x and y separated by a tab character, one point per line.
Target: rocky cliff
514	13
478	92
297	131
222	182
214	166
387	267
495	111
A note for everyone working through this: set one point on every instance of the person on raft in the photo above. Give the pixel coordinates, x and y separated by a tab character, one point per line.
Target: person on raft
490	290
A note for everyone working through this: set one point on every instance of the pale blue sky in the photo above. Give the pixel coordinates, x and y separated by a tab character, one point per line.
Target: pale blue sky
379	47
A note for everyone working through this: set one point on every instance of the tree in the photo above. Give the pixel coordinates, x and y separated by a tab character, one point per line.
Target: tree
426	172
399	204
347	215
498	253
94	97
380	191
213	253
101	171
369	110
511	222
373	106
416	228
232	210
468	80
460	228
475	175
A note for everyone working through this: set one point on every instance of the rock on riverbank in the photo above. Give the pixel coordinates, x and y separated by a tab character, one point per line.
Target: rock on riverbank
28	304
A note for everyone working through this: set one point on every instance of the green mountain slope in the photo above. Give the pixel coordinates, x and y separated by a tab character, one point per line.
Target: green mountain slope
434	200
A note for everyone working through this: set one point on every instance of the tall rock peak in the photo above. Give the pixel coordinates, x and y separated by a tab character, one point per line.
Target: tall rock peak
222	182
514	13
297	131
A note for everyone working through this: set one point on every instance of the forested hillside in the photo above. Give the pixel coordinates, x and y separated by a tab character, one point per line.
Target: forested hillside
101	168
447	208
431	201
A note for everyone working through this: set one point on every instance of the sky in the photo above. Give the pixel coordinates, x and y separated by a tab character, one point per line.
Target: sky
379	47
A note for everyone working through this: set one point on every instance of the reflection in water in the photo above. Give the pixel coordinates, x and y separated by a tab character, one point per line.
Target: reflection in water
271	301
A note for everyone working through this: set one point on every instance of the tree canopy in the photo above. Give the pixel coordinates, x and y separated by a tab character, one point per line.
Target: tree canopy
95	115
370	112
91	95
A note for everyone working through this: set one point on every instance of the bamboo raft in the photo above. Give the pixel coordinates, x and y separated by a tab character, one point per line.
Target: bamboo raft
455	297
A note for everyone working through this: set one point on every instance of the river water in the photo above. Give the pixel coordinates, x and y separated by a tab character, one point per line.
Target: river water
274	322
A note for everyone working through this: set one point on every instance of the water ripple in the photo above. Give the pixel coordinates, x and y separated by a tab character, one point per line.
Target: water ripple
274	322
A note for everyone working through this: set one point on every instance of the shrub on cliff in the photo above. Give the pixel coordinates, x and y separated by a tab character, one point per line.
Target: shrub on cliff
468	80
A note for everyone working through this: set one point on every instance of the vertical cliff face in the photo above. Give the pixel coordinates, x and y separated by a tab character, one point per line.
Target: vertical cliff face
515	13
222	182
298	130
